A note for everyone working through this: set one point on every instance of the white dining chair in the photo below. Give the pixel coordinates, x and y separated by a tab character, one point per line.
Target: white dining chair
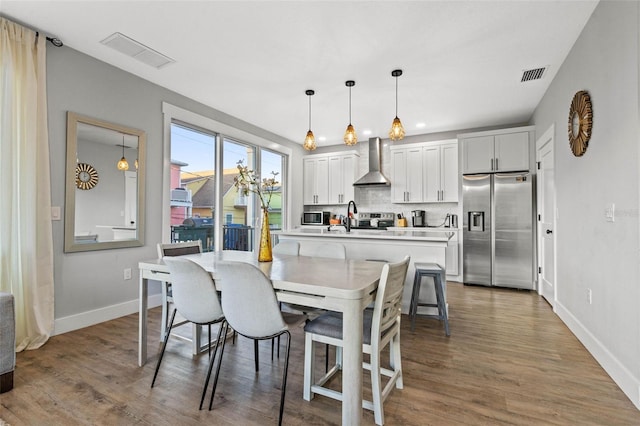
251	309
170	250
328	250
381	328
195	297
287	247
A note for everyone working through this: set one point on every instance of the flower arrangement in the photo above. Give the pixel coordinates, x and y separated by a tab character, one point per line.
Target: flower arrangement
248	181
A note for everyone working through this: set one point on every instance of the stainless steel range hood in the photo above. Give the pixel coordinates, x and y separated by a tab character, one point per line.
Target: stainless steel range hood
374	176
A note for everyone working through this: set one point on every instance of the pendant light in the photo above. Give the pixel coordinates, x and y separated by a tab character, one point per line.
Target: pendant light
397	131
310	141
123	164
350	137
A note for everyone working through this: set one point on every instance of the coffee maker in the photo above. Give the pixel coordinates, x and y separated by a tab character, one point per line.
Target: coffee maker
418	218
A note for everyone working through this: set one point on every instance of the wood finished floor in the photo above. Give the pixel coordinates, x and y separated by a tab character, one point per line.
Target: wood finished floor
509	360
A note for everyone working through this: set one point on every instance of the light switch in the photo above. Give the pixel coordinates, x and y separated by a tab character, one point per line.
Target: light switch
55	212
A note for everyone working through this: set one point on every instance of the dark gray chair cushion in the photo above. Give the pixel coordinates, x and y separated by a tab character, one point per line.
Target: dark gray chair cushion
330	325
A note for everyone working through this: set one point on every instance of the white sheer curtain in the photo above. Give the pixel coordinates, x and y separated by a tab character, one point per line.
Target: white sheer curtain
26	246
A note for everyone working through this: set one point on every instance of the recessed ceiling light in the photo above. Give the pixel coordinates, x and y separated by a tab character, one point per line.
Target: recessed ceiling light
366	132
322	138
420	125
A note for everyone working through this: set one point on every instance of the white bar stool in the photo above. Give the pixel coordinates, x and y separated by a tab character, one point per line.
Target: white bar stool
436	272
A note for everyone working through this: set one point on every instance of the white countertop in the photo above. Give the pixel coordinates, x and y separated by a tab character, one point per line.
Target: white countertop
423	229
408	234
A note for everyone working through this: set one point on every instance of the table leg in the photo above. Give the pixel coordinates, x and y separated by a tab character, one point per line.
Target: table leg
352	363
142	322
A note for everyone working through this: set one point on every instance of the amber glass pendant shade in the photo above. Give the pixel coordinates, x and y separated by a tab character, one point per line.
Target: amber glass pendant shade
397	130
123	164
310	141
350	137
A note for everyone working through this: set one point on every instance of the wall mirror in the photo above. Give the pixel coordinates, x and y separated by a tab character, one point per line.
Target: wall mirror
104	207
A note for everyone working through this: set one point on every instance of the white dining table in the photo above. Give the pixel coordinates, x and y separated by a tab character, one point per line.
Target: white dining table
346	286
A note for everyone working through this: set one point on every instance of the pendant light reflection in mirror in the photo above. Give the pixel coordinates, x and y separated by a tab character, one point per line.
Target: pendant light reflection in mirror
310	141
397	130
123	164
350	137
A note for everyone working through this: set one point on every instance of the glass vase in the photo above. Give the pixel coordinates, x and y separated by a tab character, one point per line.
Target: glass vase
264	253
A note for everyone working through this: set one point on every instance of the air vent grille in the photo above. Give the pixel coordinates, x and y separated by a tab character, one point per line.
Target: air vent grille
534	74
139	51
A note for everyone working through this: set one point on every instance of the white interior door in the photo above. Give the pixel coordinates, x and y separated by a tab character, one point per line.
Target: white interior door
546	217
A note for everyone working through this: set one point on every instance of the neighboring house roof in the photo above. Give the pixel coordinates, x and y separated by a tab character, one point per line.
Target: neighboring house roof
203	186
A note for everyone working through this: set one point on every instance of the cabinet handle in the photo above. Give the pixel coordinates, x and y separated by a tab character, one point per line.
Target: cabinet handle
497	168
492	164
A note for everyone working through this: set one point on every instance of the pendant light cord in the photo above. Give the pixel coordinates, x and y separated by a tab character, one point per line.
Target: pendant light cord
349	104
396	96
309	111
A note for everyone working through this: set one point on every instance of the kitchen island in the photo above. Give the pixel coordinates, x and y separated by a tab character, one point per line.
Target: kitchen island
382	245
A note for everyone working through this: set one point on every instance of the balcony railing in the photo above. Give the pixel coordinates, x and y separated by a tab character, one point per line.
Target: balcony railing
234	237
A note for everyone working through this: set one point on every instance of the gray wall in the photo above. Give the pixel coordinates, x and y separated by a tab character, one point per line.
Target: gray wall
592	253
89	286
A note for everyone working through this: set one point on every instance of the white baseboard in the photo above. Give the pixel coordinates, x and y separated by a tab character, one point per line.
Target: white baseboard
629	384
86	319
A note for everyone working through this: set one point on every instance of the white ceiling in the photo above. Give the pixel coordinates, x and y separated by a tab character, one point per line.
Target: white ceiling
462	60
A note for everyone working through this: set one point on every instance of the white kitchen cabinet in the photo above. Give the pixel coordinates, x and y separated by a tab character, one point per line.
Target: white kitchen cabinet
328	178
453	259
440	172
342	174
316	184
512	152
425	172
406	174
500	151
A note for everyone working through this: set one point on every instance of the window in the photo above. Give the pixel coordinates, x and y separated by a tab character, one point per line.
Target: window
197	148
192	185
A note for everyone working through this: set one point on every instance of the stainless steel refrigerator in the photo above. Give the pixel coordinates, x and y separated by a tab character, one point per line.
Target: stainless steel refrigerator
498	238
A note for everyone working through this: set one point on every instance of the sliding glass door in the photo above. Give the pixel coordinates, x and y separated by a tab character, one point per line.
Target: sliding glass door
193	186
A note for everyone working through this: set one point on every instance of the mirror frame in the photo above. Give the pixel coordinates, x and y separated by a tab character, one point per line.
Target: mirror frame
70	185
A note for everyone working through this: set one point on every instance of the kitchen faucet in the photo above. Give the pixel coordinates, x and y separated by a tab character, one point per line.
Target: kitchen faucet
355	210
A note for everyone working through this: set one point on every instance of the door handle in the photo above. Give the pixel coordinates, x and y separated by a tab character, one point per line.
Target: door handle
549	231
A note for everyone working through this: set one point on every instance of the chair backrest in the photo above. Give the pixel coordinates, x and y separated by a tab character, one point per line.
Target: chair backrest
330	250
179	249
248	300
287	247
194	292
388	303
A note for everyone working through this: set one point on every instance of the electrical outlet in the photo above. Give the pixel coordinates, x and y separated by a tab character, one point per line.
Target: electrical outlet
127	273
589	296
610	213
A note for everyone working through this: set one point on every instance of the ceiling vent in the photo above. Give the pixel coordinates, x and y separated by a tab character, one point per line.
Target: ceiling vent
139	51
534	74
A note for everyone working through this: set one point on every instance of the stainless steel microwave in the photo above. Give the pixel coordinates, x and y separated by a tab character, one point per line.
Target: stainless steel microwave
315	218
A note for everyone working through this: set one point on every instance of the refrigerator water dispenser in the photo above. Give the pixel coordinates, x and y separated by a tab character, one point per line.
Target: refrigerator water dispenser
476	221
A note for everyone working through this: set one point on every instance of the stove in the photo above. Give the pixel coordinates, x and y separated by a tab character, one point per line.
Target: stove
374	221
